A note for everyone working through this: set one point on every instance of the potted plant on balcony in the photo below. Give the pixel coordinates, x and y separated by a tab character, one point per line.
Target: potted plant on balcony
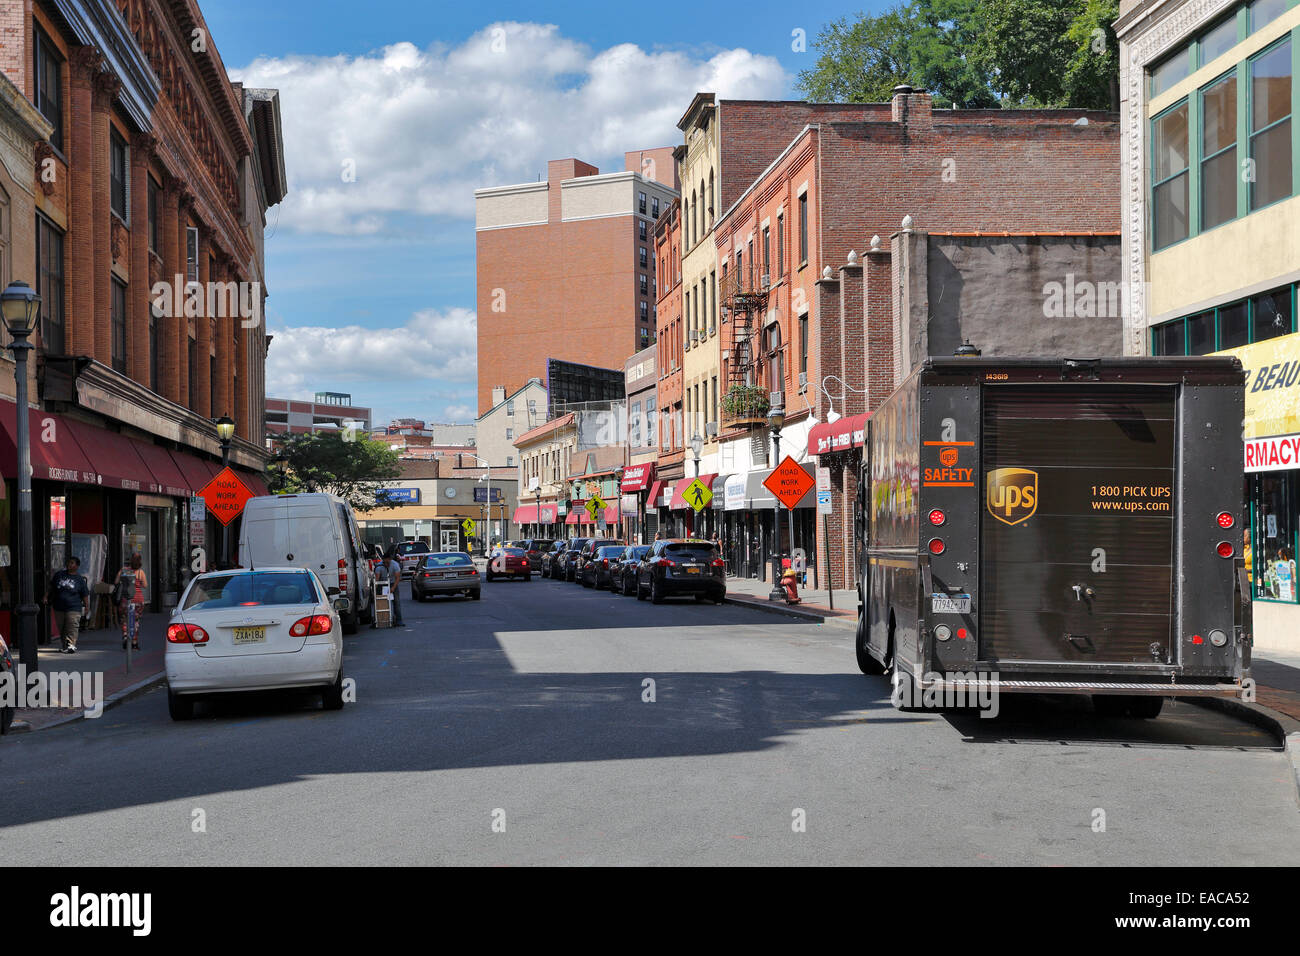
745	401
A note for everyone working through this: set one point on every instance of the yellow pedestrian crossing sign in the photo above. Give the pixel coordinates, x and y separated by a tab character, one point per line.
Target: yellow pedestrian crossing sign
698	495
595	506
468	527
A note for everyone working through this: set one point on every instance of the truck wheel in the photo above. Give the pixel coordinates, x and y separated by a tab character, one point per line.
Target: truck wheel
866	663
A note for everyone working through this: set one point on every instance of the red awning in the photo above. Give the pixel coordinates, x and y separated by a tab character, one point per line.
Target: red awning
166	475
573	517
56	455
194	469
637	477
114	458
678	501
527	514
578	514
255	481
839	435
656	492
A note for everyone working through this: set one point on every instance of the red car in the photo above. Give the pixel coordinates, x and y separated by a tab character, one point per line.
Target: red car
509	563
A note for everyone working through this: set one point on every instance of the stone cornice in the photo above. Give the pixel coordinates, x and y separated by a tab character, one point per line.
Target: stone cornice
98	24
1139	49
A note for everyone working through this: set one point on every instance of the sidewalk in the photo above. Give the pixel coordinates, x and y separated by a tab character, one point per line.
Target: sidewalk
753	592
100	651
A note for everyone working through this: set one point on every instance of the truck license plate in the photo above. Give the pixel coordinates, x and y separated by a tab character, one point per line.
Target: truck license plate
950	604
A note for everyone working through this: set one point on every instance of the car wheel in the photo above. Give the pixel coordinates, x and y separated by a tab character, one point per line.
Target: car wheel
476	594
528	577
640	594
180	708
332	696
720	598
656	592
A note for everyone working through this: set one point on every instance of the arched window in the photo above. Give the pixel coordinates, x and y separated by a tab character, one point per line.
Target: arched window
712	213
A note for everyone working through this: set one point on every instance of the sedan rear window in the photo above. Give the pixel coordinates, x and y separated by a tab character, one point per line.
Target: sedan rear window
412	547
448	560
610	552
251	589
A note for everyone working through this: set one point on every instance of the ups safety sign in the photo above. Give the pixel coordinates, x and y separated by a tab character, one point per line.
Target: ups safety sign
1012	494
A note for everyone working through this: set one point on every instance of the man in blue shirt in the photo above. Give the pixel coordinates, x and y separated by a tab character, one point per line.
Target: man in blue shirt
69	597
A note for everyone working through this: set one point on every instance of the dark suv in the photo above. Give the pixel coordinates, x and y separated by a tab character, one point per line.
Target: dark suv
536	547
582	573
682	566
569	559
550	561
623	572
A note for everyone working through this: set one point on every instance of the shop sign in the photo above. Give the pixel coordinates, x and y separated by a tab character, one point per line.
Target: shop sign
1273	454
630	505
733	492
1272	391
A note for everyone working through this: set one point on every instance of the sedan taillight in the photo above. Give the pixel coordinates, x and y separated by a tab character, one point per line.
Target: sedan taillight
186	634
316	624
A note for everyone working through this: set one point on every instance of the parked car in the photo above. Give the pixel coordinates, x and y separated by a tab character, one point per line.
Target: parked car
536	548
551	559
446	572
6	667
586	555
410	555
595	572
569	560
623	573
314	531
509	563
274	628
682	566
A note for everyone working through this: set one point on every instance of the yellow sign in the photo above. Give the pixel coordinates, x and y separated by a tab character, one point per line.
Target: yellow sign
698	495
595	506
468	526
1012	491
1272	385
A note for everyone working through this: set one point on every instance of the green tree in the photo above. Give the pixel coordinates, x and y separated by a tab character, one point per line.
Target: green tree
353	468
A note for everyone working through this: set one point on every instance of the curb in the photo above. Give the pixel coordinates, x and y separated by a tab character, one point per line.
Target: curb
771	607
1282	727
120	697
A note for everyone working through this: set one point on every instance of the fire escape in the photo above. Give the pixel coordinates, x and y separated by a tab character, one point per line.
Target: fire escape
745	404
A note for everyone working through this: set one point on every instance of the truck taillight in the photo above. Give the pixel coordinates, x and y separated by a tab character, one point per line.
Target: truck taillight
343	575
936	546
1225	519
1225	549
937	517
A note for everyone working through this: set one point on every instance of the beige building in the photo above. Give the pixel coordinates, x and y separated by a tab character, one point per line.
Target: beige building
1211	239
509	417
546	454
430	502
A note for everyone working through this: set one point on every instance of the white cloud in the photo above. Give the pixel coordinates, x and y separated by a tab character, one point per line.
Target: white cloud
431	345
425	128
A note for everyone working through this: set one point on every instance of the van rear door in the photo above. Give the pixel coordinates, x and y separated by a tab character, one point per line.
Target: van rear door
1077	523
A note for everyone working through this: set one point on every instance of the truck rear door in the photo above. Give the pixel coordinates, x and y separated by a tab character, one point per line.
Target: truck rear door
1077	524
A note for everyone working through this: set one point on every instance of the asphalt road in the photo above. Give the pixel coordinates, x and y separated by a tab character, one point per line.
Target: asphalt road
525	710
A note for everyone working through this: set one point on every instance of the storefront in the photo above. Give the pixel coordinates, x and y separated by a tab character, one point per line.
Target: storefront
526	518
694	523
635	488
1271	459
748	522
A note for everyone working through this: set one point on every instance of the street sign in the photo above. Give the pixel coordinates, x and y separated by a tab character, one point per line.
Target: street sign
225	495
468	527
698	495
823	502
788	482
823	479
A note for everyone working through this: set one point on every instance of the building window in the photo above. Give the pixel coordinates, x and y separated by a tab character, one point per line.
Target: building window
645	284
510	407
118	312
713	406
1171	70
154	244
803	229
645	337
642	257
1271	315
118	175
1270	542
510	433
1169	176
193	377
1270	125
1264	12
1219	152
803	343
654	207
191	254
1218	40
780	244
47	80
634	424
510	460
640	203
1261	317
49	284
713	301
641	229
767	253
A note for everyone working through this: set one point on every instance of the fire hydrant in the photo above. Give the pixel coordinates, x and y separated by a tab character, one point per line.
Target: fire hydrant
790	581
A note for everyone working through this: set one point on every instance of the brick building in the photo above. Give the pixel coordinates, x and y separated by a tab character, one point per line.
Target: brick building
565	270
328	412
669	356
150	165
812	293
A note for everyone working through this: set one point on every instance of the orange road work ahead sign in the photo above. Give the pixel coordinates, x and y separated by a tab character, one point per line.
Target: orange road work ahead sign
225	496
789	482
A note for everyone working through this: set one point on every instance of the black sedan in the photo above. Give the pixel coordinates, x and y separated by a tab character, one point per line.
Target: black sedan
682	566
550	557
569	559
581	572
623	573
596	572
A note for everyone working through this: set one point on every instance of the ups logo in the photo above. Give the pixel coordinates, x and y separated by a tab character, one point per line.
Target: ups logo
1012	494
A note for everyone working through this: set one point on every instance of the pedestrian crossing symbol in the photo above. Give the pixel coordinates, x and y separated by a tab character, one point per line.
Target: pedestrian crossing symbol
595	506
468	527
698	495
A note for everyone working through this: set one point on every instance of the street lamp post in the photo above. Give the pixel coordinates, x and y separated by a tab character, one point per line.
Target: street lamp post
20	306
619	472
487	476
697	445
225	432
775	419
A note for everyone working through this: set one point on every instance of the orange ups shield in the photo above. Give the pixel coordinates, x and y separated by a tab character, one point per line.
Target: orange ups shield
1012	494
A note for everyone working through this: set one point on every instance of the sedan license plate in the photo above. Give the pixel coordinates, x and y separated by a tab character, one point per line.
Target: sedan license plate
950	604
250	635
691	569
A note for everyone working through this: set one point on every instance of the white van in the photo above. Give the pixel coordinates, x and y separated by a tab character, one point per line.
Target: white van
313	531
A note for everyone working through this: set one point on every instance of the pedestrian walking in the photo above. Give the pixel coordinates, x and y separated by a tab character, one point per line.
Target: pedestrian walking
128	592
69	597
394	568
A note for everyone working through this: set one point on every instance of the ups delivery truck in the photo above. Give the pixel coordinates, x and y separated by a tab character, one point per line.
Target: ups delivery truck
1057	527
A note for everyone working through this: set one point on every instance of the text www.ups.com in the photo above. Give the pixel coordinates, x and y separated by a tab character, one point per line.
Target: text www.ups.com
1163	506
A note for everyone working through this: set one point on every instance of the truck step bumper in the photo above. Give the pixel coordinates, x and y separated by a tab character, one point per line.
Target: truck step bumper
1014	686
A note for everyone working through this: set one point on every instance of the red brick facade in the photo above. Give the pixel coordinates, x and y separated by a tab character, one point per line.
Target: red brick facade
670	348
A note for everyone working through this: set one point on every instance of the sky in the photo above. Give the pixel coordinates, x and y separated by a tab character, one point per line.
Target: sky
393	118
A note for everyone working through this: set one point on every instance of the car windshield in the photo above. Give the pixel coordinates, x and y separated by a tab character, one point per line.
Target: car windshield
699	550
251	589
539	545
607	544
578	543
412	547
448	560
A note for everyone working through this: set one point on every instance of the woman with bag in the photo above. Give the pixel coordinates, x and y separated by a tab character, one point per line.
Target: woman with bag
128	592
